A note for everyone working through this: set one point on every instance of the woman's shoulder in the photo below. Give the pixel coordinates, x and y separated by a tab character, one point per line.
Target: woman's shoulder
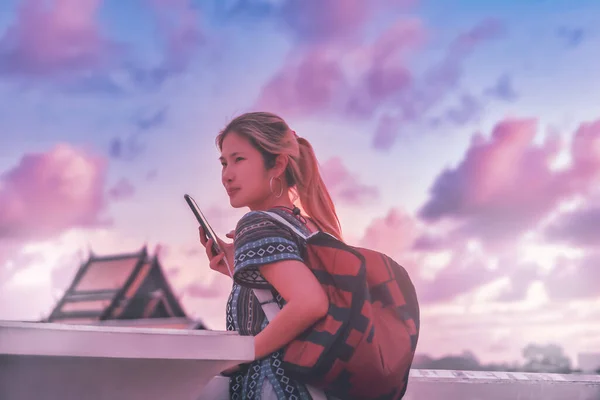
253	217
260	216
254	220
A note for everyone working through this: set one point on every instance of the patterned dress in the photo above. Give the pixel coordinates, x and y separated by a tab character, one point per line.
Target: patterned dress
258	241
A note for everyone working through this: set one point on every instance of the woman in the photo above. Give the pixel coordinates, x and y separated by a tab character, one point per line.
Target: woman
266	166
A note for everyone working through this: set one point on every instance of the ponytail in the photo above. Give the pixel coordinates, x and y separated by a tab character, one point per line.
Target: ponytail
313	194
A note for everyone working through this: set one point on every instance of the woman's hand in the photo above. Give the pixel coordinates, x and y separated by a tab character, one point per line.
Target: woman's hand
217	261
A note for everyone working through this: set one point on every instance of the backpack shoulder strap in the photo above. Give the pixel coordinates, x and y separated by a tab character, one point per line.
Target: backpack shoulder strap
285	223
264	296
267	302
270	306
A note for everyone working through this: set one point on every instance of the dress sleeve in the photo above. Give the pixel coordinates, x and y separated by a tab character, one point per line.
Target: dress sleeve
259	240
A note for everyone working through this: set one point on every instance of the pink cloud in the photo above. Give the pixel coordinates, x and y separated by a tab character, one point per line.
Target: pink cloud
52	37
468	108
326	20
359	80
575	280
122	190
385	75
309	84
21	303
223	219
396	235
216	288
510	329
388	128
414	103
585	152
393	234
578	228
521	277
506	184
179	24
187	267
63	273
431	242
47	193
316	81
11	259
487	29
151	175
173	273
446	74
343	185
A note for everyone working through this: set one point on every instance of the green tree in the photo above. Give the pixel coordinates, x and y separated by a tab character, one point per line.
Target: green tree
546	358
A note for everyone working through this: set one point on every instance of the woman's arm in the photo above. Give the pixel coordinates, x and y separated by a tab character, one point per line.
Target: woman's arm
306	303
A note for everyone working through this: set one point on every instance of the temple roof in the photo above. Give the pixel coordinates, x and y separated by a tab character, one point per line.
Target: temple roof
122	287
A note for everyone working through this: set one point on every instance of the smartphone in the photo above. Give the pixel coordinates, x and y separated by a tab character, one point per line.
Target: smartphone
209	233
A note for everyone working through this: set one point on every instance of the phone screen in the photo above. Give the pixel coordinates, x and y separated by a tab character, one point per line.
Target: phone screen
203	222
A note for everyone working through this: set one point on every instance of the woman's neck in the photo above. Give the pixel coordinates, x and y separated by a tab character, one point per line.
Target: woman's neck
273	203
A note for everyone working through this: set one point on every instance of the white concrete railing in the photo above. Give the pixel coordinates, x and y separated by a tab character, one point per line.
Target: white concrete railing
80	362
73	362
483	385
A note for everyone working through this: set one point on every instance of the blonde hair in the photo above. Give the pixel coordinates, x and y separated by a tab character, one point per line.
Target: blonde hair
272	136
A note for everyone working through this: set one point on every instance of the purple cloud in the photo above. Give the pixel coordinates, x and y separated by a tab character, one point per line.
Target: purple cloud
507	184
47	193
122	190
503	89
575	279
54	39
345	186
413	104
578	228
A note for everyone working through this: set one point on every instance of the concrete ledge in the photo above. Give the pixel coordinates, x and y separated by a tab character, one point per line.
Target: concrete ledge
63	340
53	361
66	362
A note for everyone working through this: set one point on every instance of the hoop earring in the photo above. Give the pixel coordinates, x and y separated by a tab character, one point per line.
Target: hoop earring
271	187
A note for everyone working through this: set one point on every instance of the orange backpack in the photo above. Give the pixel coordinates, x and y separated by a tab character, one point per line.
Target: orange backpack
364	347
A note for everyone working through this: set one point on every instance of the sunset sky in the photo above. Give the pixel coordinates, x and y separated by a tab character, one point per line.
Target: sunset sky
462	138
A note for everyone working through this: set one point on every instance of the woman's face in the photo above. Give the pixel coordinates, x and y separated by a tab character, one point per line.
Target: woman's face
244	175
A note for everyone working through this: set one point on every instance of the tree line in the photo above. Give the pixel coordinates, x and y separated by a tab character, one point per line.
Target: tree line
549	358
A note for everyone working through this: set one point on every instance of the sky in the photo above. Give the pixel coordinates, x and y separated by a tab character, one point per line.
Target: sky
462	138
